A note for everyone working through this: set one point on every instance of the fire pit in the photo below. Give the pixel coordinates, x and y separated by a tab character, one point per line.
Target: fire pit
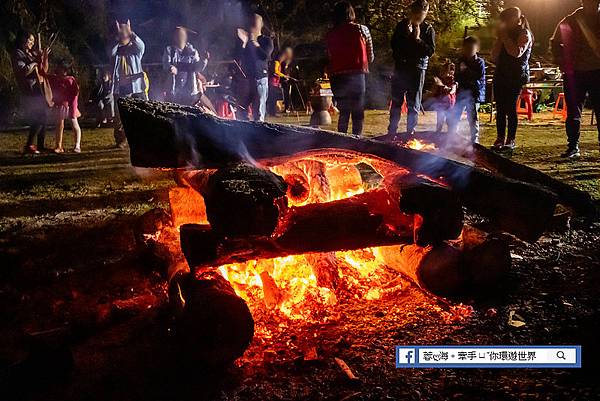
295	221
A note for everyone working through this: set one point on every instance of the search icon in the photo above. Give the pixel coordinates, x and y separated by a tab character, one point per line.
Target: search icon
561	355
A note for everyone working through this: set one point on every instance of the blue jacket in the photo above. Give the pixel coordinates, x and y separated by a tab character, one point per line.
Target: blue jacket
470	76
131	54
410	53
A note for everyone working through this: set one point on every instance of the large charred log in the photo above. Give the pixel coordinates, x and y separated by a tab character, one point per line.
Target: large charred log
169	136
441	211
365	220
213	325
244	200
579	201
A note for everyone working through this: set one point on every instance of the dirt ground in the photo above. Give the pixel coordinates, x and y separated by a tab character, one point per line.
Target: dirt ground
70	262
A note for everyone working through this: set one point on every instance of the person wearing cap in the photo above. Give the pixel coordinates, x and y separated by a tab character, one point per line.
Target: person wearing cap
182	61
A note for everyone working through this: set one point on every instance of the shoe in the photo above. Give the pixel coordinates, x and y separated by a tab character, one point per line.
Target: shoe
59	150
31	150
571	153
499	144
510	145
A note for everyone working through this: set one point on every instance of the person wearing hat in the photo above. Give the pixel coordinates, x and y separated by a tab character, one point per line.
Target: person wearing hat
182	61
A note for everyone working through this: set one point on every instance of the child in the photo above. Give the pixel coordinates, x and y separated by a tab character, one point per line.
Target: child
102	100
444	93
471	87
66	93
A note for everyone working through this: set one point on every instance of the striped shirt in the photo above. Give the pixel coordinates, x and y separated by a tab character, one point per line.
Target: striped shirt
369	40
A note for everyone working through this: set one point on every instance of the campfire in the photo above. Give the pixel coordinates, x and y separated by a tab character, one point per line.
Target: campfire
296	222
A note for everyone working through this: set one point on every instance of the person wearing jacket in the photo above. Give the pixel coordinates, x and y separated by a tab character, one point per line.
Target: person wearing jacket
102	100
350	50
182	61
576	48
470	76
253	57
128	76
413	43
511	54
27	66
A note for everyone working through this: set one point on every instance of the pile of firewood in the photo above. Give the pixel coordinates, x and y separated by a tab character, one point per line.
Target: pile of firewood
248	177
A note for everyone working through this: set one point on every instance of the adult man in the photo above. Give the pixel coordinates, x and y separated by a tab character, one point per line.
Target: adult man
253	56
413	44
576	48
181	60
128	76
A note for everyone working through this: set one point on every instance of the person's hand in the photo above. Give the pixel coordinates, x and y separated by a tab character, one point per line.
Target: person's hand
253	36
243	35
207	55
416	31
173	70
124	30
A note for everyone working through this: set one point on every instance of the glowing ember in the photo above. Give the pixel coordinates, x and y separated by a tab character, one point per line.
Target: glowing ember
420	145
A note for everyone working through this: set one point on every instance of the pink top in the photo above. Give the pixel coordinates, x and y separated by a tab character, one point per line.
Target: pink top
65	92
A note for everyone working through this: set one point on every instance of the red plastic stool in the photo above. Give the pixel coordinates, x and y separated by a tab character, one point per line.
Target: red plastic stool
224	110
560	107
525	104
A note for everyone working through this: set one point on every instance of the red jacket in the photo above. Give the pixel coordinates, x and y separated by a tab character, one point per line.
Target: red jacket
347	50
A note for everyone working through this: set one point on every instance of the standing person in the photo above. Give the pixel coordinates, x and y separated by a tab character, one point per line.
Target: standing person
576	48
102	100
182	61
511	54
444	94
350	50
253	57
280	81
128	76
413	44
27	69
470	76
65	91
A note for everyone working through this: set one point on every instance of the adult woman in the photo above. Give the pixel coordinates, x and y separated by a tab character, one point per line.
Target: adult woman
511	54
350	50
27	66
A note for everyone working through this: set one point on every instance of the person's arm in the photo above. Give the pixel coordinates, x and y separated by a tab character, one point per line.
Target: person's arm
557	43
519	47
167	61
399	40
495	55
425	45
369	41
138	44
114	50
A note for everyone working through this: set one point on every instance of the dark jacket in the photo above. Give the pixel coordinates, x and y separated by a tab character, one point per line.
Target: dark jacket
411	53
22	64
513	70
470	76
255	60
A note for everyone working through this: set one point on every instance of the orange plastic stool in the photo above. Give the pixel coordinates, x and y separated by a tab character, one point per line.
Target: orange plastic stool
404	106
560	107
525	104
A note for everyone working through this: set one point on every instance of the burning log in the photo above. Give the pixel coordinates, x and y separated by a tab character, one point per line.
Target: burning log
365	220
325	268
244	200
581	202
169	136
214	326
441	211
437	269
474	264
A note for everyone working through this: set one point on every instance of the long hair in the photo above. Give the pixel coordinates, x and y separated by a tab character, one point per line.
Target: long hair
515	12
22	37
343	12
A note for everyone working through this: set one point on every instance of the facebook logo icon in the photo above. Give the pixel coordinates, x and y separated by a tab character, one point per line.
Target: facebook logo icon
406	357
